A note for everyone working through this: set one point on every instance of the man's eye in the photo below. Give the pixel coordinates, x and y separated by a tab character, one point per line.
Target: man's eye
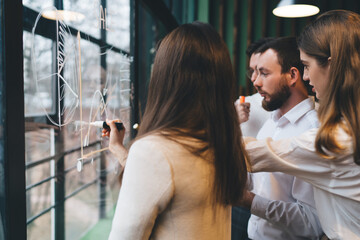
250	72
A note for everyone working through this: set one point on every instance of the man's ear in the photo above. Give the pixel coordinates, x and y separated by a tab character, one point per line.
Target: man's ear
294	76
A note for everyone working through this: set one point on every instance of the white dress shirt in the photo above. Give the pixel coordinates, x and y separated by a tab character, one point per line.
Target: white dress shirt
284	206
257	117
336	181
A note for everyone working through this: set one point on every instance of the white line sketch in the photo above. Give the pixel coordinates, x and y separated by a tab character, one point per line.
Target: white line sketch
80	90
69	88
63	57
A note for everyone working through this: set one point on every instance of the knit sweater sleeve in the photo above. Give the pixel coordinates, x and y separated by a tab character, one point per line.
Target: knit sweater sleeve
146	191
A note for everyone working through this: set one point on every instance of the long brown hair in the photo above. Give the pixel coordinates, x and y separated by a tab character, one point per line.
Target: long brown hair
191	94
336	34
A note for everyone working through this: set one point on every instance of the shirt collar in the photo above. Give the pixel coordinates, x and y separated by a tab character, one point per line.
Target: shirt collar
296	112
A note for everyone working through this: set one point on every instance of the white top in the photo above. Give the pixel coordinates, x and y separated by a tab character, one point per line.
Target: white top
336	182
257	117
167	193
284	206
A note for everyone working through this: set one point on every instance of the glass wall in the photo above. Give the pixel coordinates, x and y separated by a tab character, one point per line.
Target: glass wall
76	71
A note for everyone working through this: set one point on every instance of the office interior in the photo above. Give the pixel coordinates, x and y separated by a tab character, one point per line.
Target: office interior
67	63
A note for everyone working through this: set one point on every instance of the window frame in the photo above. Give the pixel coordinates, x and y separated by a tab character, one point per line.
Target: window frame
13	200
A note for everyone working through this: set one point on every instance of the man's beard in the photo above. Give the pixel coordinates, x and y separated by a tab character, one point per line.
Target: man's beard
278	98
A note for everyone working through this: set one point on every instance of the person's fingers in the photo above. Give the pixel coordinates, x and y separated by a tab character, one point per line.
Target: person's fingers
114	131
113	124
244	117
105	134
244	109
245	105
243	112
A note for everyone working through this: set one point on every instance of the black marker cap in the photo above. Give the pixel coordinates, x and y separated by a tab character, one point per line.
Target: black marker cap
119	126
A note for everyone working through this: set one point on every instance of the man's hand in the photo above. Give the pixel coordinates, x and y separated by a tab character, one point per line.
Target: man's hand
247	199
243	111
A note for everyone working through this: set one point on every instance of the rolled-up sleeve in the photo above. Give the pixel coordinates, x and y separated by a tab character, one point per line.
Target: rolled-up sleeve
301	219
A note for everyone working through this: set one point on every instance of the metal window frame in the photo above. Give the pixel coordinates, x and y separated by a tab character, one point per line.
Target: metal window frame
13	204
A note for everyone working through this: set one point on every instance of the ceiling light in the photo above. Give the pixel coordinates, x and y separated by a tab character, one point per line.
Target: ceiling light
295	9
63	15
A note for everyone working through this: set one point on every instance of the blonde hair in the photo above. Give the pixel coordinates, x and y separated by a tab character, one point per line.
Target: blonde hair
336	34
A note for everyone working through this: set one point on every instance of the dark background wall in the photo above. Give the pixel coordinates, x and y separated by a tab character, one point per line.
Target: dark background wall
241	22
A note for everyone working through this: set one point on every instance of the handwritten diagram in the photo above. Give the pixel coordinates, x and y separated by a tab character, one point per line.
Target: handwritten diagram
84	91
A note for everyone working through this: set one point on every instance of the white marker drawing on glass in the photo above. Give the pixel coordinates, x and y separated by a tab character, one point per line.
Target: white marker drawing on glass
68	86
65	88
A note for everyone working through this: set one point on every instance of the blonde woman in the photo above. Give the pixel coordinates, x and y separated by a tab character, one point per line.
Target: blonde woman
328	157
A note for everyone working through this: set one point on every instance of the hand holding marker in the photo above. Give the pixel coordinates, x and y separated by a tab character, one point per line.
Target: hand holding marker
103	124
105	132
106	128
116	139
242	109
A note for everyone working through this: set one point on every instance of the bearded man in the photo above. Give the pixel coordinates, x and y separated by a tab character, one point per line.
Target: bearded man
282	206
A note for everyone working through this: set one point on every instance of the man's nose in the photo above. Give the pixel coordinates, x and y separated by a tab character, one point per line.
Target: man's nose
257	81
253	76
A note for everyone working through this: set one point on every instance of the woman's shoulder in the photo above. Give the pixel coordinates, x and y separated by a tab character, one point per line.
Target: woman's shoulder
151	140
148	150
170	146
157	142
166	139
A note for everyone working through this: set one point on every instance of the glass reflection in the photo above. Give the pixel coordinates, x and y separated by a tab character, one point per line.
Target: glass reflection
38	84
119	24
91	10
38	4
40	228
38	199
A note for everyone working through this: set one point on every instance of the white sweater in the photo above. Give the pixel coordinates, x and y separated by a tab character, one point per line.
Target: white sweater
166	194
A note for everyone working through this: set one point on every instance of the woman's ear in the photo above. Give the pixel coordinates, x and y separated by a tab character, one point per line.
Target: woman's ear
329	61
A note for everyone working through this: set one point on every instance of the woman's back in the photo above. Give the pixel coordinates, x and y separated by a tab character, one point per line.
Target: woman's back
168	191
173	195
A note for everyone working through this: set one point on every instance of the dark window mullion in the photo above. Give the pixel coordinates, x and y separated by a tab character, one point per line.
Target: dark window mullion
101	184
58	184
12	158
